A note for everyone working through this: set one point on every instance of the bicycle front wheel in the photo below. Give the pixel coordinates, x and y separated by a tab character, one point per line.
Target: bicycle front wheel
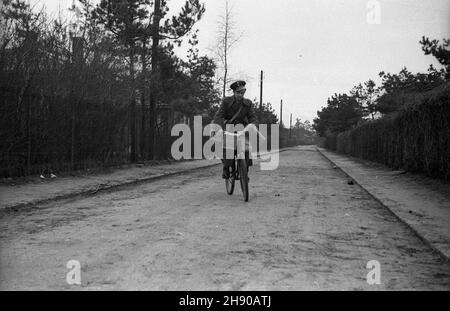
243	177
229	182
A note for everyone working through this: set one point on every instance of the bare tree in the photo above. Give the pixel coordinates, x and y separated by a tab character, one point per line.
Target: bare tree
227	37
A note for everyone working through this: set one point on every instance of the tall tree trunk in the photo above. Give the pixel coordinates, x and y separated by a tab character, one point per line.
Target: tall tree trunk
153	98
225	75
143	136
225	80
29	135
133	157
72	130
143	147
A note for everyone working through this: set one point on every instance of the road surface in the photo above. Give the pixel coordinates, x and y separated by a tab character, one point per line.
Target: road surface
305	228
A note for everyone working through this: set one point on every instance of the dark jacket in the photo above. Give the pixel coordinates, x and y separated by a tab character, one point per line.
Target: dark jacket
230	107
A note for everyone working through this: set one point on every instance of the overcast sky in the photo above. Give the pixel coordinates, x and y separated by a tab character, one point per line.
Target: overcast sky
310	50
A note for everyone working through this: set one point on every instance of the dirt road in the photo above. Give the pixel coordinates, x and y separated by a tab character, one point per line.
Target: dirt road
305	228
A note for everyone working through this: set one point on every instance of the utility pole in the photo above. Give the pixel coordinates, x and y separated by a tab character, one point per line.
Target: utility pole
290	127
281	114
261	91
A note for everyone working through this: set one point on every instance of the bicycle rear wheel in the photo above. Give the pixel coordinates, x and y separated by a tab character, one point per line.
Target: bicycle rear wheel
243	177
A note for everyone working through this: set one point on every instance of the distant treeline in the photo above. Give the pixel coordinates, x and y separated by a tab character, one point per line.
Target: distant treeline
404	123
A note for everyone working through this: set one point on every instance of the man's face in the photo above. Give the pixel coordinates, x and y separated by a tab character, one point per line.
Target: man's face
239	93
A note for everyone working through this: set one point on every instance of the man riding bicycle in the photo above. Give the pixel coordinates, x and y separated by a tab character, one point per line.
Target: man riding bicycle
235	110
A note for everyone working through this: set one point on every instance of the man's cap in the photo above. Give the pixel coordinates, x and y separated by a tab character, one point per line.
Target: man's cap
237	84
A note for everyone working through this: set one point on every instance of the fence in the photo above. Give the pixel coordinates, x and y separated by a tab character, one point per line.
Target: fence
43	133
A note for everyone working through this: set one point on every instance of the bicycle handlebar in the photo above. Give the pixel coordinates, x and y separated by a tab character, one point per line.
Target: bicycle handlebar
246	129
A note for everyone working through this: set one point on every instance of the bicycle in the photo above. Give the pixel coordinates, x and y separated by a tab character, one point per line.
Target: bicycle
239	168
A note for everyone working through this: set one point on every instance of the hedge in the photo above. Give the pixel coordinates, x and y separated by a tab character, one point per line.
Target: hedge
416	139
